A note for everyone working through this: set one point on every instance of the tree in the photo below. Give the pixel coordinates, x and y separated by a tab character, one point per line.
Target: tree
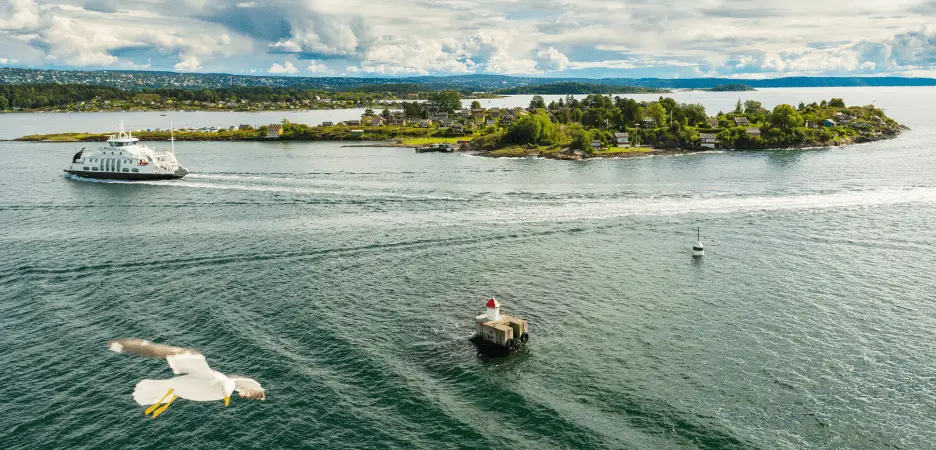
537	102
753	107
657	113
4	103
475	105
738	108
444	101
581	140
532	129
785	118
368	112
694	114
385	114
837	103
413	110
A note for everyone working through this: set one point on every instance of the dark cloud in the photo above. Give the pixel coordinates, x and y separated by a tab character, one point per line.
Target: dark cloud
264	23
914	48
104	6
926	8
742	13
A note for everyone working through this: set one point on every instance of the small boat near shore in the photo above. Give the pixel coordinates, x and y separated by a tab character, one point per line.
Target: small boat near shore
443	148
124	158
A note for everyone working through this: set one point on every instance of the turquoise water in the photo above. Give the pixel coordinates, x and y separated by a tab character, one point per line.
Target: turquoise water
346	280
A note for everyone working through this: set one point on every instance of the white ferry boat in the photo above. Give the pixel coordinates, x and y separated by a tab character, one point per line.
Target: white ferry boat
125	159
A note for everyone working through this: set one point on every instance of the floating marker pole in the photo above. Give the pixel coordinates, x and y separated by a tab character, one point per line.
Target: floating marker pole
698	250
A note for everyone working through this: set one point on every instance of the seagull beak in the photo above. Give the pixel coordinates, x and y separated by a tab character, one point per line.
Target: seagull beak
227	399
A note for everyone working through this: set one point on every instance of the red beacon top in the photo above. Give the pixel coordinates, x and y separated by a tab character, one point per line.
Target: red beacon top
492	303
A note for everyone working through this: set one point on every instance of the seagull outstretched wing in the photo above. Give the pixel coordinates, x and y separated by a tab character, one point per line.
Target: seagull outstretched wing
248	388
182	360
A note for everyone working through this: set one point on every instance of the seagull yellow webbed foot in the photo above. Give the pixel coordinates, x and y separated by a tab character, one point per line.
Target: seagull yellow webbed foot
164	407
156	405
227	399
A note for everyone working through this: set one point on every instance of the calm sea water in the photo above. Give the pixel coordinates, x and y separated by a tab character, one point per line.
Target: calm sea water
346	281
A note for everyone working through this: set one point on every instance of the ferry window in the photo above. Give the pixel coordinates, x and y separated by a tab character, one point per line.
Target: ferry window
86	169
126	169
136	170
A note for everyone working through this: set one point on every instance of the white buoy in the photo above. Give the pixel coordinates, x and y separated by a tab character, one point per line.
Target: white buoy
698	250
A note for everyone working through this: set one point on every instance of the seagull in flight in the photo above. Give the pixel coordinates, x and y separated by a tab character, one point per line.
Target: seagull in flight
197	381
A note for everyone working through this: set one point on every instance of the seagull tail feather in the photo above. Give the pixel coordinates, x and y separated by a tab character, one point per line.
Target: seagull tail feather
150	392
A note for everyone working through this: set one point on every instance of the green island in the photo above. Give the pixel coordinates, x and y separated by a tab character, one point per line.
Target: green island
733	87
595	126
577	88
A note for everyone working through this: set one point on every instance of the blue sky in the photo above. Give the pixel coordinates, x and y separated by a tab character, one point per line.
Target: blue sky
583	38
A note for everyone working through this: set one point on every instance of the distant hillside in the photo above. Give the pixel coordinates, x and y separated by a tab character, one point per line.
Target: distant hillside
125	79
735	87
574	87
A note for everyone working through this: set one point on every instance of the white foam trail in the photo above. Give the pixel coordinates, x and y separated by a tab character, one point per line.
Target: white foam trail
578	210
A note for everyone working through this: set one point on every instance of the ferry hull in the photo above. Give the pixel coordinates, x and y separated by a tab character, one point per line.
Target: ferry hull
126	176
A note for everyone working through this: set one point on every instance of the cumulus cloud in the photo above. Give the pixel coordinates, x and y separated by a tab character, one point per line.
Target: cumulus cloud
8	61
315	66
678	37
23	16
287	67
551	59
188	63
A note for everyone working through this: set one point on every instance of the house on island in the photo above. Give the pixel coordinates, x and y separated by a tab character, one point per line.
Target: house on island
712	122
328	123
507	119
375	121
741	121
274	130
621	139
245	127
412	95
648	123
752	131
707	140
490	122
425	123
357	133
828	123
595	145
354	122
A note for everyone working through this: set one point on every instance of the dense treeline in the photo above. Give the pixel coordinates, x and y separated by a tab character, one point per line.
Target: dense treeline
733	87
38	96
572	87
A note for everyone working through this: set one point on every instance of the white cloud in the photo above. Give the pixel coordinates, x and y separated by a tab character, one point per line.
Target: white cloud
24	16
314	66
551	59
8	61
188	63
287	67
247	5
